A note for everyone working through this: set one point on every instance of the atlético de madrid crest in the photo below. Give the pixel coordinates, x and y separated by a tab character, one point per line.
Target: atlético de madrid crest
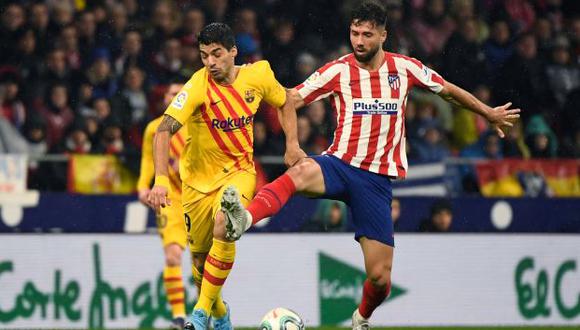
249	96
394	81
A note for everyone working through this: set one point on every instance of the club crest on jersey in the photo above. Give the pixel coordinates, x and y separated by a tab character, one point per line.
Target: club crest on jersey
394	81
179	100
250	95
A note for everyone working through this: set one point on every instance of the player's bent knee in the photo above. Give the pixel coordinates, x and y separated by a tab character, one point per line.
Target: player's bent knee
173	255
380	276
302	174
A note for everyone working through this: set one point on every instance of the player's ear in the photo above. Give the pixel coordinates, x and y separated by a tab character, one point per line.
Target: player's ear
384	35
234	51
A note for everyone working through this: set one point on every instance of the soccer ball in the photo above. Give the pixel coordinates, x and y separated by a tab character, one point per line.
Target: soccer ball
281	319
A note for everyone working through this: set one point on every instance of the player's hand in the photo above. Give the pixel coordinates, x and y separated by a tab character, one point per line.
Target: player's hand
293	156
502	116
158	198
144	196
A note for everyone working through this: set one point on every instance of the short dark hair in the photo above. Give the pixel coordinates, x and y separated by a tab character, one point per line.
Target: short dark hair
369	11
218	33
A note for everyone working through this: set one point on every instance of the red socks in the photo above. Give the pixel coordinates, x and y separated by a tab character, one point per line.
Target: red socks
372	298
271	198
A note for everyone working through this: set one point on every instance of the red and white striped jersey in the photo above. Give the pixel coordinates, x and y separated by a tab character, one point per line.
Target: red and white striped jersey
370	108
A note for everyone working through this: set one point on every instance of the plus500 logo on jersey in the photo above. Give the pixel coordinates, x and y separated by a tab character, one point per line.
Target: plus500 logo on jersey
231	124
370	106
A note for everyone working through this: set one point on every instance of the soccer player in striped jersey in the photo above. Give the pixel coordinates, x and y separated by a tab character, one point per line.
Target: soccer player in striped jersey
368	89
170	219
217	105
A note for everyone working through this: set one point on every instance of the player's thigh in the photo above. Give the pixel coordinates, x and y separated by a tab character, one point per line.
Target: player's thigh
171	227
197	208
307	177
370	203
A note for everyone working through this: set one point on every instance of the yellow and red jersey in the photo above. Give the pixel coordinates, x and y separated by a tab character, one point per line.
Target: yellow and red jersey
176	147
219	121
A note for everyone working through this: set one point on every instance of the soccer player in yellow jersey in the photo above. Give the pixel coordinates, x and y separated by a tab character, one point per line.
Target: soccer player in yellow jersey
217	105
170	219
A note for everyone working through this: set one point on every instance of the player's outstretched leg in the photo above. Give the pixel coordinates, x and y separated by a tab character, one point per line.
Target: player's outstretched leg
237	219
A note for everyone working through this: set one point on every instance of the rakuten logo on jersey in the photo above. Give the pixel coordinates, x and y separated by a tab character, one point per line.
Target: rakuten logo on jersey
371	106
231	124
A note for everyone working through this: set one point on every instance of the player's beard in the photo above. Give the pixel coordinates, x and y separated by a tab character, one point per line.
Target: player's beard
368	56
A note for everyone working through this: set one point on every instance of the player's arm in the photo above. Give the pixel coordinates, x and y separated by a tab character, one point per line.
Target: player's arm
498	117
147	171
288	121
158	196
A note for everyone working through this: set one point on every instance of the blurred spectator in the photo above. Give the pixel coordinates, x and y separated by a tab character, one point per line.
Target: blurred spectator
56	112
467	126
12	109
77	140
306	64
216	10
574	35
543	32
498	48
247	36
464	60
321	121
69	43
39	22
514	145
55	71
190	59
282	51
131	53
400	38
520	13
130	104
540	138
12	18
431	148
35	134
100	76
434	26
521	80
112	142
11	141
165	19
193	22
563	75
167	62
116	28
487	147
87	28
439	220
330	216
27	60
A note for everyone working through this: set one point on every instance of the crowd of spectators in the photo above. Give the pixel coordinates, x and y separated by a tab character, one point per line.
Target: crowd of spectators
86	76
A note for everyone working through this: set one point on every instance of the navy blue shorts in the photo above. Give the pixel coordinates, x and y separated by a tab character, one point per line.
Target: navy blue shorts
367	194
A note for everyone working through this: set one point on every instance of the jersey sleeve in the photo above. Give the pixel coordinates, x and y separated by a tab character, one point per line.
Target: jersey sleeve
189	98
320	84
272	90
147	171
424	77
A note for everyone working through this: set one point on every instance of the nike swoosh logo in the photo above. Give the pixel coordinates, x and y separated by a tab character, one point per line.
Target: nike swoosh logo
216	102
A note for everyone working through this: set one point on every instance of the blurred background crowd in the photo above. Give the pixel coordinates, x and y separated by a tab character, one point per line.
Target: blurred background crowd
87	76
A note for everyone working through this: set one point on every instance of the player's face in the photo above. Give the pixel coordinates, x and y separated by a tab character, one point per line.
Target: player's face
366	39
172	90
218	60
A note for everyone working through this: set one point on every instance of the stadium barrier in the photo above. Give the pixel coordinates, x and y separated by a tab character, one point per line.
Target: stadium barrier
114	281
33	212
